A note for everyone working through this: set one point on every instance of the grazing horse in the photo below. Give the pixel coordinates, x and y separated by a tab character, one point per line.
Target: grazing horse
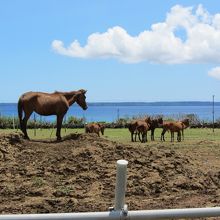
133	127
174	126
56	103
95	128
155	123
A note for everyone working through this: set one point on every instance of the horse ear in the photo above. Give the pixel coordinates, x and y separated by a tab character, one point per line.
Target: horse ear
84	91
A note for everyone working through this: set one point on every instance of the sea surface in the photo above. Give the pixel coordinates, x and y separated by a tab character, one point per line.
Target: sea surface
110	112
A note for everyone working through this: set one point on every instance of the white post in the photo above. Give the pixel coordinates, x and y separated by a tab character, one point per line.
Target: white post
121	179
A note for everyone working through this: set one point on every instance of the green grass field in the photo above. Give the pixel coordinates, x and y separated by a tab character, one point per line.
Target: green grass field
123	135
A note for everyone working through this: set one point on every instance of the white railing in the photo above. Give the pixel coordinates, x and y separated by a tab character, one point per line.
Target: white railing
120	211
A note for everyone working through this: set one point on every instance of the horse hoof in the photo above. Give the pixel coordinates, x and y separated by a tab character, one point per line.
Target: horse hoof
59	139
26	137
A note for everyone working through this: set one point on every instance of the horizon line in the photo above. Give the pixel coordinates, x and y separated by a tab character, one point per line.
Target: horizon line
147	102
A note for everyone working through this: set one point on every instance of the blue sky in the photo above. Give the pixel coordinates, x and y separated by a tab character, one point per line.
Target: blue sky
118	50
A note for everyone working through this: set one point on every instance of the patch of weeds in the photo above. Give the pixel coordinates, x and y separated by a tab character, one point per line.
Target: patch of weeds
37	181
63	191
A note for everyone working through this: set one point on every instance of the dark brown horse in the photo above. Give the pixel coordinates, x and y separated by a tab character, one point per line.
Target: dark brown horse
155	123
56	103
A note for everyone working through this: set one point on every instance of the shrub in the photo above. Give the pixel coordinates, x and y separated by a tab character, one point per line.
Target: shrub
73	122
8	122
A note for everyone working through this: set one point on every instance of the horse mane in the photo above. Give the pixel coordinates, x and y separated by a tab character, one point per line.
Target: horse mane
71	93
56	92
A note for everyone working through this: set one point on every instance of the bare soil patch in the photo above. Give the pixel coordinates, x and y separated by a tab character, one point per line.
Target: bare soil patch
78	175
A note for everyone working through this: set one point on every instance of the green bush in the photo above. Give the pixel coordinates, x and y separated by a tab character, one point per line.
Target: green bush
40	124
74	122
8	122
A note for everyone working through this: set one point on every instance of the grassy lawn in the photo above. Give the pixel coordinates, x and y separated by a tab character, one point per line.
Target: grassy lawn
123	135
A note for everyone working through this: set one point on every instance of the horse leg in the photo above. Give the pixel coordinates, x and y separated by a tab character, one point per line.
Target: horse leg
152	134
59	125
183	134
172	136
146	136
132	134
139	136
162	135
179	136
24	124
135	136
143	137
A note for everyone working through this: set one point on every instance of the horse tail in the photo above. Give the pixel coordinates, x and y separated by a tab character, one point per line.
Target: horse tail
20	110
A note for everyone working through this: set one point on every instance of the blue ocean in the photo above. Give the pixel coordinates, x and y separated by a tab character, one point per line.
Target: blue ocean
110	112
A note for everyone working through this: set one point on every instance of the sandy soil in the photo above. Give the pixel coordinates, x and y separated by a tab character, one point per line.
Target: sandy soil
78	175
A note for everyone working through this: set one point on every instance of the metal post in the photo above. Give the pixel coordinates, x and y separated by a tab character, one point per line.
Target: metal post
116	215
121	179
65	216
118	114
13	121
174	213
213	113
40	123
65	123
35	125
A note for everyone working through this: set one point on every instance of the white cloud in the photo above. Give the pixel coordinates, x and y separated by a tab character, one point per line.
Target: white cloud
215	73
160	44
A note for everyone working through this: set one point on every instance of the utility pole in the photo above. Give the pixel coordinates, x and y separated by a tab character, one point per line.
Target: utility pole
35	132
213	113
118	114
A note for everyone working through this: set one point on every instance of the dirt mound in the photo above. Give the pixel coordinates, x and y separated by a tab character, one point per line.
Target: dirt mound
78	174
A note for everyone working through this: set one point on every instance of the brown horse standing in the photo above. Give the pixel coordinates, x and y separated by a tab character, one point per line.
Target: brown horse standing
132	127
56	103
174	126
142	129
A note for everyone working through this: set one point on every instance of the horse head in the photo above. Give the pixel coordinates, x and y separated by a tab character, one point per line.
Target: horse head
81	99
148	120
186	122
160	122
